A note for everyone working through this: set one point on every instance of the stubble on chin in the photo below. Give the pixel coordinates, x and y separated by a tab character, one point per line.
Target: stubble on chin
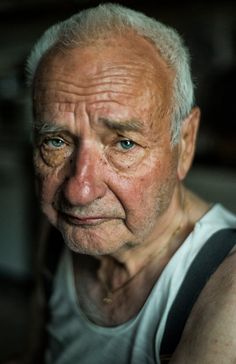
93	240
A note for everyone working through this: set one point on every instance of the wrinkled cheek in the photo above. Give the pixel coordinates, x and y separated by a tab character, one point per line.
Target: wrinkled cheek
41	177
142	187
147	197
45	194
41	170
47	184
46	198
48	178
136	194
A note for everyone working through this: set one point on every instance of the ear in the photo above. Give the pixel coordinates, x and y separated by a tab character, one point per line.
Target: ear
187	142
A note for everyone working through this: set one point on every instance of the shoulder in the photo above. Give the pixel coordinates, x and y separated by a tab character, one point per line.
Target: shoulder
224	279
210	332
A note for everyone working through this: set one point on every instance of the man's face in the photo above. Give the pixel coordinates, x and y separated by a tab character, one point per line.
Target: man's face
103	158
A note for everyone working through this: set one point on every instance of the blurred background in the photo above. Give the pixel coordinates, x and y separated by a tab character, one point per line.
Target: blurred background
209	31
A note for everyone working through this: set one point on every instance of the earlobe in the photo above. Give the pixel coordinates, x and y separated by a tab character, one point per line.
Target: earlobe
187	142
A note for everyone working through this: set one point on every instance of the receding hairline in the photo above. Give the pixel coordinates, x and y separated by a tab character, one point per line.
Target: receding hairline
108	41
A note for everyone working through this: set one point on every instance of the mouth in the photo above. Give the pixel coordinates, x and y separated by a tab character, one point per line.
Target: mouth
85	220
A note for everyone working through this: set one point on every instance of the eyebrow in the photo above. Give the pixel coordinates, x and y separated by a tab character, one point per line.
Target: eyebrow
129	125
46	127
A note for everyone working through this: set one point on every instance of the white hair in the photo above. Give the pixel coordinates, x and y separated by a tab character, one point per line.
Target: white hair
89	25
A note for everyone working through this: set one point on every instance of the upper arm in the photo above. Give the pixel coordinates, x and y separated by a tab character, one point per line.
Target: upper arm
210	333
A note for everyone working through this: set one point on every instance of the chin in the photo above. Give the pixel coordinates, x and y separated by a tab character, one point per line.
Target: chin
91	241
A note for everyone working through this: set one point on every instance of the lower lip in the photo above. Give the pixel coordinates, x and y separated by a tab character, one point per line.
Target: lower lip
85	221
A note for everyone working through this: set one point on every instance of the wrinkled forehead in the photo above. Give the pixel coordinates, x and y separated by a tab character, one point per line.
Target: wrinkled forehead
132	57
127	72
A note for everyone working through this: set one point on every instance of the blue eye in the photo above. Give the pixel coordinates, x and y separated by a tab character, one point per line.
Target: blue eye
55	142
126	144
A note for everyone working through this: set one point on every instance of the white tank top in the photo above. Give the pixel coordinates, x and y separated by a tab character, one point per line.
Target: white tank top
73	339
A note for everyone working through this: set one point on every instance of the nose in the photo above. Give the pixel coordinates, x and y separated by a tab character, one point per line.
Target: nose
85	182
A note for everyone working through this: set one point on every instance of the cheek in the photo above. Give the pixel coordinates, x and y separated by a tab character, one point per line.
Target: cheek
49	178
141	192
55	158
134	190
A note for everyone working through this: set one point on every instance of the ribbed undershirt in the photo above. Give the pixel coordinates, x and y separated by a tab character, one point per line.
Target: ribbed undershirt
73	339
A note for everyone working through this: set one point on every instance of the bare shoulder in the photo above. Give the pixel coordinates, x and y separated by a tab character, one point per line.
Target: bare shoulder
210	333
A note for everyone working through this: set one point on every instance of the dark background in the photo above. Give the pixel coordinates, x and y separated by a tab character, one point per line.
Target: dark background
209	30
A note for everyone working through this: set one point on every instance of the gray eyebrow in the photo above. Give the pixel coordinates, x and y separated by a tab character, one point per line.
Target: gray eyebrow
129	125
46	127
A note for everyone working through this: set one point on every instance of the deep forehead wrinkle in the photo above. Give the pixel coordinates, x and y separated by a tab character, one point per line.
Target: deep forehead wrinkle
128	125
125	69
125	75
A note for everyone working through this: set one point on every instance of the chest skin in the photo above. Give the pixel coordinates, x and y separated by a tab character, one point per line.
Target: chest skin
127	300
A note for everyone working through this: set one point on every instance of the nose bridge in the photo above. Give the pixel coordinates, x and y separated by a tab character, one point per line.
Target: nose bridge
85	163
85	183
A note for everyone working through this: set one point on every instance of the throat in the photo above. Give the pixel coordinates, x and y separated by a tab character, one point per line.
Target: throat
113	278
112	302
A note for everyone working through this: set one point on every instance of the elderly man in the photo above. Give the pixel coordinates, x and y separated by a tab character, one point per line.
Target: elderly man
115	130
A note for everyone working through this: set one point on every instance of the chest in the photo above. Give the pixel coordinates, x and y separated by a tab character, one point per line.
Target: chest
113	307
82	328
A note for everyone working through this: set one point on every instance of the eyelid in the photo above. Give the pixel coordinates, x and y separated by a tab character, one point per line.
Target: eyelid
49	137
46	138
56	135
126	138
47	141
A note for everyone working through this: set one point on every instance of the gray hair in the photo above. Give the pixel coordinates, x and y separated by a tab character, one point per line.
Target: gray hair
89	25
